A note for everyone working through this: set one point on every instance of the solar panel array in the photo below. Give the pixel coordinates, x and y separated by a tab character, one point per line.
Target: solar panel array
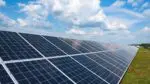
29	58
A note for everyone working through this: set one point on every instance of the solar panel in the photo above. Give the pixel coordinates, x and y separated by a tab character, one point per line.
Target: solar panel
114	57
37	72
96	45
98	69
42	45
110	60
13	47
105	63
4	77
76	72
68	49
79	45
29	58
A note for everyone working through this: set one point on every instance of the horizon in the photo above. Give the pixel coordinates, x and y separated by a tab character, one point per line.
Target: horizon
113	21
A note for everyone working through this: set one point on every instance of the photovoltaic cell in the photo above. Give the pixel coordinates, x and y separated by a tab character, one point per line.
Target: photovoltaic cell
76	72
68	49
105	64
76	44
37	72
96	45
115	58
110	60
120	56
13	47
4	77
99	70
42	45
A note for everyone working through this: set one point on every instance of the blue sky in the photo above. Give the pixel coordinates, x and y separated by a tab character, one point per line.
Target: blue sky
118	21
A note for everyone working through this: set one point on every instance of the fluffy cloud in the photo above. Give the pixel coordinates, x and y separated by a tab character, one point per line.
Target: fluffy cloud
76	31
146	5
36	17
78	12
135	3
85	32
6	21
118	3
146	29
2	3
147	13
81	13
21	22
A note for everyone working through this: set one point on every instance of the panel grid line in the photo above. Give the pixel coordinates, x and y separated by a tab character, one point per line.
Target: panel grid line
108	56
115	61
78	62
8	71
54	57
94	61
47	59
95	54
126	68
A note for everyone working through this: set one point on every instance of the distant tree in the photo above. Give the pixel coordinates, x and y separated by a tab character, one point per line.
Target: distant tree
145	45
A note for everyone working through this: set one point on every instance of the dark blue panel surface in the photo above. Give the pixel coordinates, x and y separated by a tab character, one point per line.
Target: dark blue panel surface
98	69
37	72
4	77
96	45
68	49
76	72
13	47
106	64
42	45
76	44
116	58
110	60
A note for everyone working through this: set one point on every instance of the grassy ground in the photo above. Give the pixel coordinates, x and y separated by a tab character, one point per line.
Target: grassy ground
139	70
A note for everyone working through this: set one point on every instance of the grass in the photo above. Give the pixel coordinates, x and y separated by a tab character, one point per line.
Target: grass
139	70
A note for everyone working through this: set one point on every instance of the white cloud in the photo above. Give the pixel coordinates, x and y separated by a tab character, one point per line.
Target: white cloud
135	3
130	1
118	3
76	31
123	11
96	33
146	5
21	22
81	13
147	13
6	21
115	25
85	32
146	29
36	17
76	12
2	3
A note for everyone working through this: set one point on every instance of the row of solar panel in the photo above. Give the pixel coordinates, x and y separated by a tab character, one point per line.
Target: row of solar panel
104	67
79	68
13	47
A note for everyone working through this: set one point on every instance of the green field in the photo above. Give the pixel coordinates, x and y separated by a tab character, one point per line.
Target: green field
139	70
